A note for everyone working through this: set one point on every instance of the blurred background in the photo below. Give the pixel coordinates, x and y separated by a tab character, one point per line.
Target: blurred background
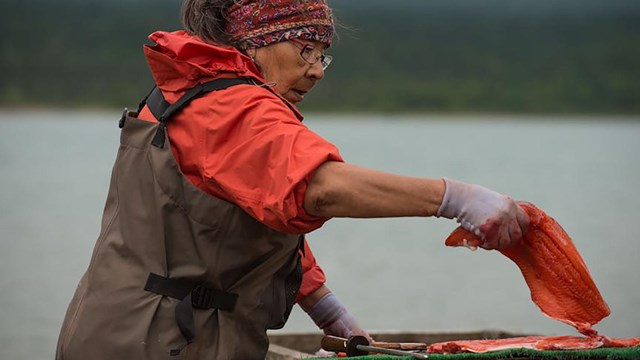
546	56
538	99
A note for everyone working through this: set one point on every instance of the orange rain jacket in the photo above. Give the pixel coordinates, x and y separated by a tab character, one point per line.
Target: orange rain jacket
245	144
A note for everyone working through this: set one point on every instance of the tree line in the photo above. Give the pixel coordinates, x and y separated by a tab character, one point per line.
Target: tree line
530	56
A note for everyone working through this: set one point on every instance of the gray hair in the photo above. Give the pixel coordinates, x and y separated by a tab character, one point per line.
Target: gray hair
206	19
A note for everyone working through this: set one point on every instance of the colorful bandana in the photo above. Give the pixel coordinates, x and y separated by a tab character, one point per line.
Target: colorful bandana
258	23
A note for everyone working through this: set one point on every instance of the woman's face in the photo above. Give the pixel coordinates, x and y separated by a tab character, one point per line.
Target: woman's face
282	64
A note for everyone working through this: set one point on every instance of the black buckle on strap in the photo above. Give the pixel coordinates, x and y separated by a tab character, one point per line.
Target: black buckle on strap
202	297
191	296
125	112
208	298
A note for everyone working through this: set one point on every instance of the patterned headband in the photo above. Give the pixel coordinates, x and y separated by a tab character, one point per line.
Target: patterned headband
258	23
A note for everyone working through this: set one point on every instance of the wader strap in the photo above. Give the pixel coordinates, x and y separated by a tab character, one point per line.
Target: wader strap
192	296
293	282
163	111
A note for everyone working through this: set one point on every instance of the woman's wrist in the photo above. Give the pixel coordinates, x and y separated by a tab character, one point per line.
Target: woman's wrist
312	299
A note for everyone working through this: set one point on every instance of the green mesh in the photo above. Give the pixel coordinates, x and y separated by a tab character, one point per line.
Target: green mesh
525	354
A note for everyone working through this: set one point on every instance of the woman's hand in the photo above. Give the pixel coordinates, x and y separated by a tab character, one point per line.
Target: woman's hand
493	217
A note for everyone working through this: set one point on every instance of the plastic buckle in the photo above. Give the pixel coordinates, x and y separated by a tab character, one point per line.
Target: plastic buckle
201	297
123	118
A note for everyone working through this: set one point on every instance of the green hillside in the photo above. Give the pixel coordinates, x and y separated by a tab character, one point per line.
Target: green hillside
525	56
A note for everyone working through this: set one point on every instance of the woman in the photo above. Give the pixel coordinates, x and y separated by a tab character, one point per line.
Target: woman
216	182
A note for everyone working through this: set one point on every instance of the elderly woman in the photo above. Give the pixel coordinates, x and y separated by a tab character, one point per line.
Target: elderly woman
216	182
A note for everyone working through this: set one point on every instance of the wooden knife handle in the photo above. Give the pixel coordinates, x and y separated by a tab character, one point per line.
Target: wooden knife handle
334	344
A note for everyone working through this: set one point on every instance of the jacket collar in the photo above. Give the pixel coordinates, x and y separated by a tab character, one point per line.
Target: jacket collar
178	61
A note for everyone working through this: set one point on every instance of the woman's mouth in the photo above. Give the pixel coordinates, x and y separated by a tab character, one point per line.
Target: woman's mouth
298	95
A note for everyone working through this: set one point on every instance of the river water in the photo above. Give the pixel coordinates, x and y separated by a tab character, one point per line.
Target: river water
391	273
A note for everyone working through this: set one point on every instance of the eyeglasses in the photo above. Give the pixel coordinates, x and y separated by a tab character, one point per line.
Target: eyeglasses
312	55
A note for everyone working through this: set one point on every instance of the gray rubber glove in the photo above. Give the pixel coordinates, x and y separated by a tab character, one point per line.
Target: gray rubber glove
334	319
492	217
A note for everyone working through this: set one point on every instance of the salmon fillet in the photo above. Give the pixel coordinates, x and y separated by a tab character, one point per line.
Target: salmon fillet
560	286
558	278
531	342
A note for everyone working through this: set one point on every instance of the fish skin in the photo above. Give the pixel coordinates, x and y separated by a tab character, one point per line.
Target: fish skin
559	281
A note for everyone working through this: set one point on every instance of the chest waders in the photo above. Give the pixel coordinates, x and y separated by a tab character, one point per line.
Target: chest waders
177	273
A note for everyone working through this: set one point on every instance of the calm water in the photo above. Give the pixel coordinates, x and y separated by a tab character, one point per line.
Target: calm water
393	273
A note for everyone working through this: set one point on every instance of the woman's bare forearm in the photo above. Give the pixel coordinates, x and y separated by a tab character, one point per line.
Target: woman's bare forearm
343	190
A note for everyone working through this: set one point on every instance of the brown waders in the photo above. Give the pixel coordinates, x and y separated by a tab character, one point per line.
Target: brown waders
175	272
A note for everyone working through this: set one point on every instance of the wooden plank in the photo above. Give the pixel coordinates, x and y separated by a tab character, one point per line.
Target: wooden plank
309	343
277	352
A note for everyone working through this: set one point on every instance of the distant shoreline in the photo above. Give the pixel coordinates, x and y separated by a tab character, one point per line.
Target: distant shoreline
541	57
363	115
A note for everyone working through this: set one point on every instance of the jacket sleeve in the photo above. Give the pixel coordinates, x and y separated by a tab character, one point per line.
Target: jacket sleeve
312	275
261	157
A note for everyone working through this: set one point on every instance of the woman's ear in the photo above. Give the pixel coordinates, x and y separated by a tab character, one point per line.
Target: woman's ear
251	52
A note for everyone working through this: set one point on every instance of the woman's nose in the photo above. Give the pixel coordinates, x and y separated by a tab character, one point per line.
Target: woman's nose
315	71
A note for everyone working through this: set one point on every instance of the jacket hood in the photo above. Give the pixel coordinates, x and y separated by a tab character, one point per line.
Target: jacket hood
178	61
